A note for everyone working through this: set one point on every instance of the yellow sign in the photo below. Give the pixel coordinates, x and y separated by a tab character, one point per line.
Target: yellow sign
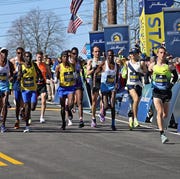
8	159
142	32
151	31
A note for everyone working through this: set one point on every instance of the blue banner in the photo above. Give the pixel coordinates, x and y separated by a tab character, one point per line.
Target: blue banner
145	103
117	38
88	51
97	39
125	104
154	6
172	30
174	105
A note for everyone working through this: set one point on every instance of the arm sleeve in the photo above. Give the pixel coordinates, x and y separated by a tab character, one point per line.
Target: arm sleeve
175	76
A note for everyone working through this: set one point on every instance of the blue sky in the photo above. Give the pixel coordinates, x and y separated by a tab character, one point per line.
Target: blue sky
13	9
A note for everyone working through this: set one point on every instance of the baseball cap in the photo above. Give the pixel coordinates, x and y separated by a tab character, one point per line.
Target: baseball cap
133	51
3	49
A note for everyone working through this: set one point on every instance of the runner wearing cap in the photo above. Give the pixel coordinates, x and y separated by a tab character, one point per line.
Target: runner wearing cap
134	84
6	75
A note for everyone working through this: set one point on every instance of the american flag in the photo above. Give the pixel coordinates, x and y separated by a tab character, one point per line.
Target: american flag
84	51
74	23
75	4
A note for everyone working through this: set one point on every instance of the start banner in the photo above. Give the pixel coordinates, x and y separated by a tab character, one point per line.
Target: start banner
152	23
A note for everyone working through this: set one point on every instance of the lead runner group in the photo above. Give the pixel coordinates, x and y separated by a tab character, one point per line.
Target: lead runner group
63	79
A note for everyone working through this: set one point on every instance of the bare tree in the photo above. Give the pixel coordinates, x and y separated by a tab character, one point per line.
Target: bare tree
37	31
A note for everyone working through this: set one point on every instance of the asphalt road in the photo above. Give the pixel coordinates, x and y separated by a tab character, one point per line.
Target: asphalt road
47	152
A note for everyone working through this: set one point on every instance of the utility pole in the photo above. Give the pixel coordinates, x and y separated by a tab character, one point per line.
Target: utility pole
96	15
100	18
125	11
112	11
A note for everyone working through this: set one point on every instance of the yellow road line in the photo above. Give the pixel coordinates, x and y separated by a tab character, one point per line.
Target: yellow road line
9	159
3	164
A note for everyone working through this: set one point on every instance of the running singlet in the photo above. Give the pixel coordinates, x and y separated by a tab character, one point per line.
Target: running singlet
78	74
42	67
4	73
161	76
28	81
108	77
98	75
134	76
66	77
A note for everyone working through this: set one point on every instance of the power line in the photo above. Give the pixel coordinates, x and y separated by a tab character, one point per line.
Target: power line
43	30
5	3
56	15
50	9
44	11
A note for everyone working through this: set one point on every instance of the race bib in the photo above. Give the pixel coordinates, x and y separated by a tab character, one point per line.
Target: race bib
28	82
68	76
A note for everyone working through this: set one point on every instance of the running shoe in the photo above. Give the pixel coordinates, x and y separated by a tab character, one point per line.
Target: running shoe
81	124
3	129
131	123
70	122
93	123
27	129
164	139
136	123
101	117
30	121
16	125
42	120
113	128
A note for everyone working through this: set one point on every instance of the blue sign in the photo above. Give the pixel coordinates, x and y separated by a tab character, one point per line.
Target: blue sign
145	103
172	30
117	38
125	105
154	6
174	105
88	51
97	39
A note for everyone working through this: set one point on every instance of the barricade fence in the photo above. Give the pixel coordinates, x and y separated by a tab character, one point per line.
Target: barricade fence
146	111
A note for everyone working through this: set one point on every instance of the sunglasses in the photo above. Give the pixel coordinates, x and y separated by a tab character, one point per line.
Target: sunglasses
19	52
74	53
